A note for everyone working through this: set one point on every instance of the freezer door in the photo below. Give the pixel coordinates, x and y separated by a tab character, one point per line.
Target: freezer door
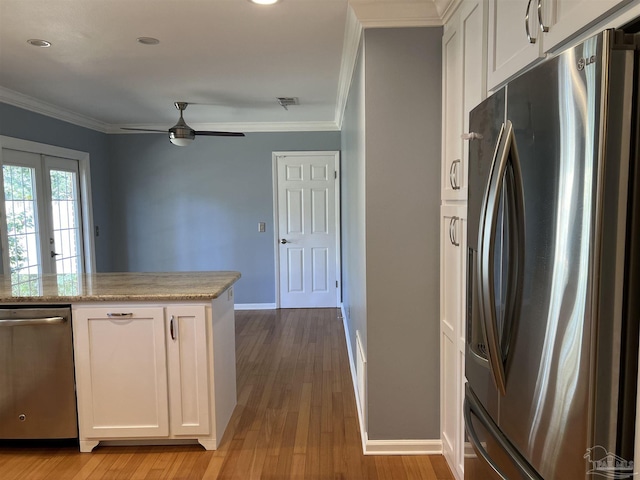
494	458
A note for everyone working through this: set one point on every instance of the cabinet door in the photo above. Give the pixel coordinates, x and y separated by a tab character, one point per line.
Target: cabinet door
474	87
451	184
452	331
510	51
188	370
566	17
121	372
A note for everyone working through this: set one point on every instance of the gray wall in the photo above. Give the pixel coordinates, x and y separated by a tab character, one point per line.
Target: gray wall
391	200
19	123
198	207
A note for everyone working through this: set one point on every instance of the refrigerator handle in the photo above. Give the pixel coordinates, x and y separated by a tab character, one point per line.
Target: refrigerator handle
486	256
472	406
515	213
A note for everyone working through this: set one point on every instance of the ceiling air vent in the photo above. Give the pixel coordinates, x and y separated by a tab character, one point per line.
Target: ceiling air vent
285	102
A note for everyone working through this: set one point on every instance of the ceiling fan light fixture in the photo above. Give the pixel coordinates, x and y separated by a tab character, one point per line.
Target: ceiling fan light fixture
37	42
147	40
180	142
264	2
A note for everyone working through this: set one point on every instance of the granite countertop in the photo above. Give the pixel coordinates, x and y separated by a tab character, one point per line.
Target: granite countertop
117	287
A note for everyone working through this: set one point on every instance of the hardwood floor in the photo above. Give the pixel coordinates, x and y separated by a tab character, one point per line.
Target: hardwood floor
295	419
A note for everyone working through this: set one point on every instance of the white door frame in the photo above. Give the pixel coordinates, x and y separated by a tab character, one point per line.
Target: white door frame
276	223
86	204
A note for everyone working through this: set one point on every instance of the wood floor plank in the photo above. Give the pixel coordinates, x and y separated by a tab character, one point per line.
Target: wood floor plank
296	419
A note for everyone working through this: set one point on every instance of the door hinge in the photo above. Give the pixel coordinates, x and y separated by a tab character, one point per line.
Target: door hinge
335	174
336	283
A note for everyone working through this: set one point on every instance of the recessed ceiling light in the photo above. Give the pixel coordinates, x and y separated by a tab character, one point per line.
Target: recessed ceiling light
264	2
148	40
36	42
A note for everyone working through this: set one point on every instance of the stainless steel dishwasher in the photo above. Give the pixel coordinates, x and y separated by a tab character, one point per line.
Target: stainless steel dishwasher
37	386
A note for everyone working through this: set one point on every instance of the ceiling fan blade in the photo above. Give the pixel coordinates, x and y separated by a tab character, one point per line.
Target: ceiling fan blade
220	134
144	130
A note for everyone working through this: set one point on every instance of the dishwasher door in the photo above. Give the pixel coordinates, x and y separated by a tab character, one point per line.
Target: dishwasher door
37	386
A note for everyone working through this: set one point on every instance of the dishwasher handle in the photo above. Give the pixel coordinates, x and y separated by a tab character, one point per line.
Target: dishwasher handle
30	322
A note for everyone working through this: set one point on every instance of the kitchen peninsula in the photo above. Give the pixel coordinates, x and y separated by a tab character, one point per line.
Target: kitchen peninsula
154	353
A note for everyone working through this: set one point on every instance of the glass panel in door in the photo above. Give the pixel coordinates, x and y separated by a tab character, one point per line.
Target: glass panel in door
23	232
66	240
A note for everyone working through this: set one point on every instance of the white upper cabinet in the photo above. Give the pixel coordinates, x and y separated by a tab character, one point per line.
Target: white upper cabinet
464	62
510	49
522	31
452	113
566	17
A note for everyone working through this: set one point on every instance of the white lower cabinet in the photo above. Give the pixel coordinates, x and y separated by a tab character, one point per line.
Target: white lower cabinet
453	240
147	372
187	368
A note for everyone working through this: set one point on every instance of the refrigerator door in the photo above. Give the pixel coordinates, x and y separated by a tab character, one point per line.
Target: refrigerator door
486	122
547	410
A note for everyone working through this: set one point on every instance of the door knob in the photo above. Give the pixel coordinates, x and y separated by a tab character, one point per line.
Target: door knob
54	254
283	241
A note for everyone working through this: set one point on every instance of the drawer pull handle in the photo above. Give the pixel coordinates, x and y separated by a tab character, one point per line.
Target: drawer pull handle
119	315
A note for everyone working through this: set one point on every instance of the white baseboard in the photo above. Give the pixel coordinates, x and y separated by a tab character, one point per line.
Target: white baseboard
383	447
255	306
403	447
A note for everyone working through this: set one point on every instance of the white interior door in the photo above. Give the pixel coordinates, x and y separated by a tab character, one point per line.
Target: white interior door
307	208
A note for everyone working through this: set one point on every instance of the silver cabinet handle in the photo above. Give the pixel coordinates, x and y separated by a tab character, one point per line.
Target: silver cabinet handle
28	322
543	27
119	315
453	237
171	328
526	24
471	136
453	175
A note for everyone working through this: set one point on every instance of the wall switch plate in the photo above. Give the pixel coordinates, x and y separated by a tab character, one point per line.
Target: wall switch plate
262	227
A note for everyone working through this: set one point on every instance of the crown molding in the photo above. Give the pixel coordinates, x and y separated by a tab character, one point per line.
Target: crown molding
447	8
407	13
350	45
248	127
31	104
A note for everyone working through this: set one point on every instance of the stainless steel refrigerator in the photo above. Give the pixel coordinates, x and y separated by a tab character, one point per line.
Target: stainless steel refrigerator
553	291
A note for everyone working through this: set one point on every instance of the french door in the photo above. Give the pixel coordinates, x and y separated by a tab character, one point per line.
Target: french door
43	221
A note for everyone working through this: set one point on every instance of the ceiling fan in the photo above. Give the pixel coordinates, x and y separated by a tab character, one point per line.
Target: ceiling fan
182	134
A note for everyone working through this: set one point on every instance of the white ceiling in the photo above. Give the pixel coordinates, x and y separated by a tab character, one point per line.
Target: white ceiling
232	56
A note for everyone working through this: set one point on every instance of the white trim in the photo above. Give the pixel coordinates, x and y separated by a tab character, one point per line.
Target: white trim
384	14
403	447
276	232
31	104
354	378
255	306
350	44
83	159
